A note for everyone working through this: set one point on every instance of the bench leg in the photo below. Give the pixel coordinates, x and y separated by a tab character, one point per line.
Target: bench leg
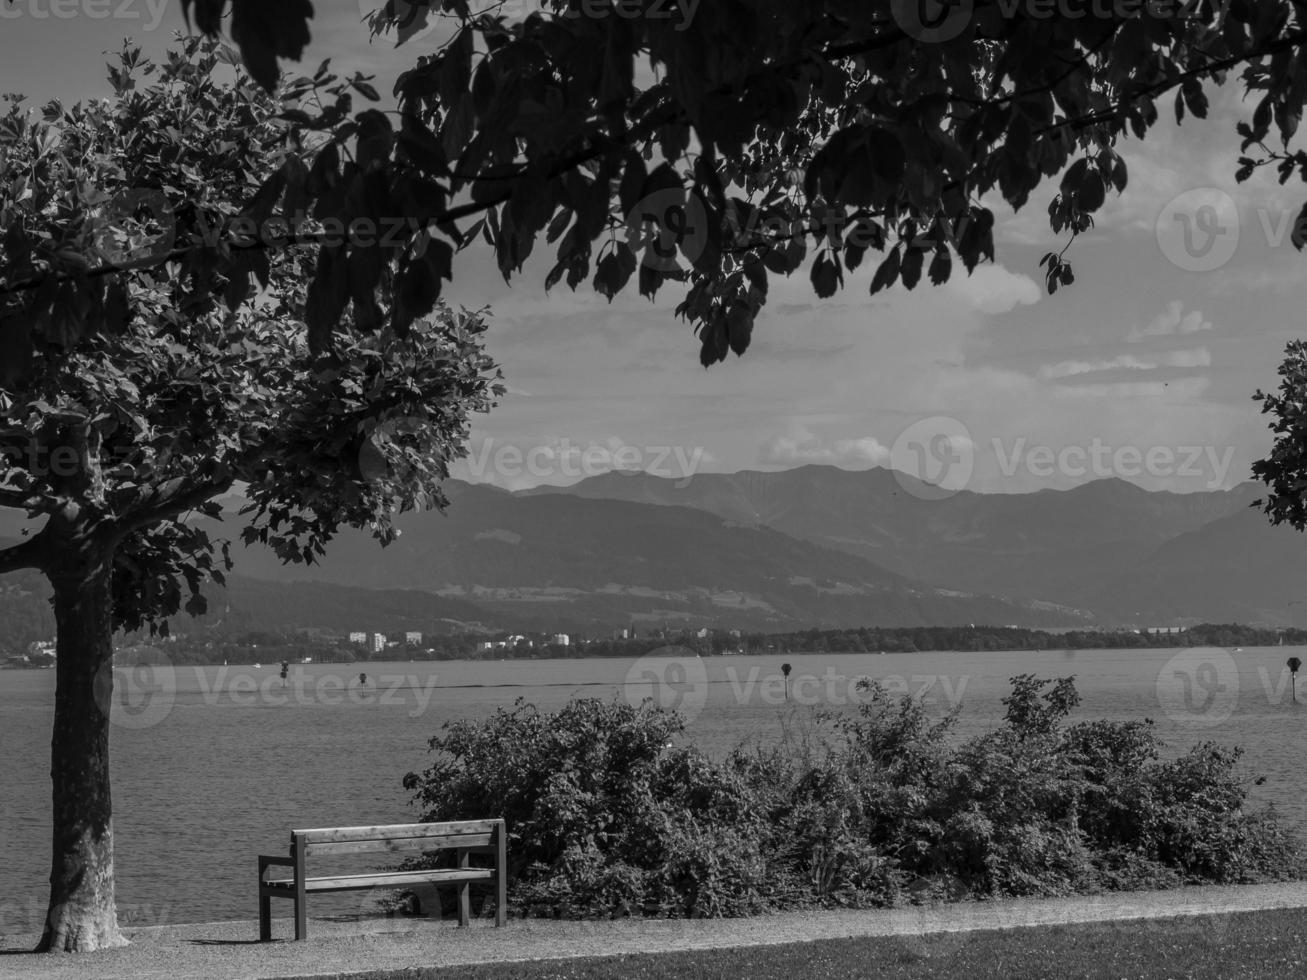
265	918
464	899
301	898
301	916
501	876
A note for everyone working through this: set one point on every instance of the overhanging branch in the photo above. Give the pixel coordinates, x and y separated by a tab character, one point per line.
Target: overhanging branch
167	500
29	554
24	499
607	143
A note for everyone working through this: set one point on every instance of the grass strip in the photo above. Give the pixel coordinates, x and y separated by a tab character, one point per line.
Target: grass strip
1228	946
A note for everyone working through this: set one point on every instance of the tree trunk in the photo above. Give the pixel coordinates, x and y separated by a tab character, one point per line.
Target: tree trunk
82	914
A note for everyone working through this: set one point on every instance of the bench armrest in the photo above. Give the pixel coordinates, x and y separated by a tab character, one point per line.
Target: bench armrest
268	860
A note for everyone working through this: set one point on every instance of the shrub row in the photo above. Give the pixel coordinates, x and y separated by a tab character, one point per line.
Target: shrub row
610	813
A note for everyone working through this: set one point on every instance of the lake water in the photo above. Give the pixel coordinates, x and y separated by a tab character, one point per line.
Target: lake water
213	766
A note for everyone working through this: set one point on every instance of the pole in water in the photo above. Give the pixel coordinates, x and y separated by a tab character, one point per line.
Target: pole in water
1294	663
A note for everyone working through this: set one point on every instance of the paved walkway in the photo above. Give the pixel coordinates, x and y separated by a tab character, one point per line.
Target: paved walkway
383	948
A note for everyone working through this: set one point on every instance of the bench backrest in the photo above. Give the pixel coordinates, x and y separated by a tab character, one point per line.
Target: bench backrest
472	835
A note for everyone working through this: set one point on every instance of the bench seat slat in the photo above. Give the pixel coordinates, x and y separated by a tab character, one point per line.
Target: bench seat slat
324	834
474	842
394	879
466	837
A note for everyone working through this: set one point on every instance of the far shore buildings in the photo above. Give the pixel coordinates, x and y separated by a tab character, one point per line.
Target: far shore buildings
413	638
358	638
39	654
509	643
561	640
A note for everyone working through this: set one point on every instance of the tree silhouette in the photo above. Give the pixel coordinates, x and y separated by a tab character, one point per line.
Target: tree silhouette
114	437
717	145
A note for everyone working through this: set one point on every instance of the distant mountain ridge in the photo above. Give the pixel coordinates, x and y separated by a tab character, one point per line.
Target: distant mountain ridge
554	561
809	547
1077	547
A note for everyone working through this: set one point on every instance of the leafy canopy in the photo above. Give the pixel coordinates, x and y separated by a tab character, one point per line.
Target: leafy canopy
719	144
176	398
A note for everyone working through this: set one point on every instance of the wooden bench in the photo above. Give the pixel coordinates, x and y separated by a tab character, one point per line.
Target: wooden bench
465	838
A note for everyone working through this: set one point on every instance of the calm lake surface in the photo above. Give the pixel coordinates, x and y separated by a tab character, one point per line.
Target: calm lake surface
213	766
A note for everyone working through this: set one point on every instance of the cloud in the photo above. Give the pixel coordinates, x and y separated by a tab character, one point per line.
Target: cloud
1175	392
1196	358
800	445
993	289
1285	278
1069	369
1172	322
1193	358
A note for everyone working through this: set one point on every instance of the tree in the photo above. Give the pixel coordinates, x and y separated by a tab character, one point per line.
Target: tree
186	385
1284	470
718	144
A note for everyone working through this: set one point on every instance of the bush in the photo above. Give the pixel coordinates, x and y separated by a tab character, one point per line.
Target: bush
608	814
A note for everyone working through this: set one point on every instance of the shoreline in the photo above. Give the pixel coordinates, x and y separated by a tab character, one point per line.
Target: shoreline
273	664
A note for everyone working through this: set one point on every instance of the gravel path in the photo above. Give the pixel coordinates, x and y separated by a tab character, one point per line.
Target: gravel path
390	947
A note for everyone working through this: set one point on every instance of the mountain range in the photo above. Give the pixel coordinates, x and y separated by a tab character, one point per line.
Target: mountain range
1108	547
815	546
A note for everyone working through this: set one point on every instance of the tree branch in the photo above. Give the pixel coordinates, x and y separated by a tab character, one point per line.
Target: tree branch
603	143
25	499
31	553
1287	43
168	499
12	497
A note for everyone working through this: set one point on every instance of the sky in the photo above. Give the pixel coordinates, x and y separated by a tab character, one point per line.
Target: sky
1144	369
